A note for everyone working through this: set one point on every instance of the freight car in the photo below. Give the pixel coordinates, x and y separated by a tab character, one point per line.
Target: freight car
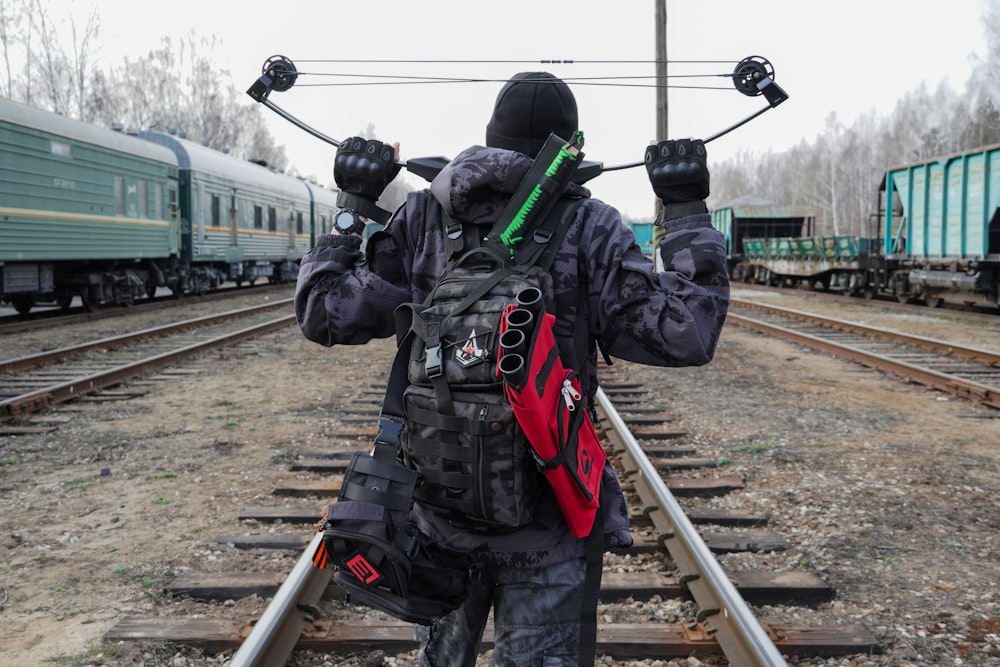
110	216
940	227
935	238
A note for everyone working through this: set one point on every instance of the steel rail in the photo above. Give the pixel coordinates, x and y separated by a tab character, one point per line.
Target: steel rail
50	356
277	631
947	383
740	635
981	355
745	642
65	391
55	316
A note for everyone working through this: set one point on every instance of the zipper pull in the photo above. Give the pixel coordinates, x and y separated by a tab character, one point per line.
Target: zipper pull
570	395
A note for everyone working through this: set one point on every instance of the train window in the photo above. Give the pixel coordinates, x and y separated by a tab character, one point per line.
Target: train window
119	195
143	201
158	212
272	219
298	222
216	210
258	217
59	148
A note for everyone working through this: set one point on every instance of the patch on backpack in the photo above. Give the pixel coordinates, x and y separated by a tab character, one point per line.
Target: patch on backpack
469	352
362	568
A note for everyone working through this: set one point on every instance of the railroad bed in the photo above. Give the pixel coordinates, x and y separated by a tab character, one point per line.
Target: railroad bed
883	490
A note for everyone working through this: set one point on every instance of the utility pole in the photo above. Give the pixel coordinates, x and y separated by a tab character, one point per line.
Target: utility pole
661	69
661	94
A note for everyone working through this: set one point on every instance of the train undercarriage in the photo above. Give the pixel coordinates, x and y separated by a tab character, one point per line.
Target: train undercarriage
102	285
973	283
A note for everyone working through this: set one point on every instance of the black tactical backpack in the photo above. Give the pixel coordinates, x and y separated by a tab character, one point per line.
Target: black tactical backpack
461	436
475	464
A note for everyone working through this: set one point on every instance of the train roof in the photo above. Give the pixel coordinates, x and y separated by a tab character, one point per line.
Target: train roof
758	207
76	130
202	159
943	160
322	195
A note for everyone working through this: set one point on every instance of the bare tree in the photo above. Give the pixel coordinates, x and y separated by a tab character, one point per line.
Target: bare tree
838	174
12	19
80	60
257	143
983	91
52	67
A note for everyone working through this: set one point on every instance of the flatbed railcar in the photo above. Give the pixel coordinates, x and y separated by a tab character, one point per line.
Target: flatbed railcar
935	238
110	217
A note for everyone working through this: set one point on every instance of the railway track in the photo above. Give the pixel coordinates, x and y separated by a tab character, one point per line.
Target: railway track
32	383
51	317
642	439
967	372
207	596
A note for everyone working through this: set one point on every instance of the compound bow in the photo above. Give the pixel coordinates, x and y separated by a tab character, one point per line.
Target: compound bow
753	76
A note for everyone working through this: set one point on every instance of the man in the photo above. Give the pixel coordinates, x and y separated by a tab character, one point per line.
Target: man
602	291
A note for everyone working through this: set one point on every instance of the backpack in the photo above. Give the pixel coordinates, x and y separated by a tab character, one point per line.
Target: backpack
476	466
460	435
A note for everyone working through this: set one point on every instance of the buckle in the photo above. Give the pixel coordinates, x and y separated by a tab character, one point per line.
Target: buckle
432	365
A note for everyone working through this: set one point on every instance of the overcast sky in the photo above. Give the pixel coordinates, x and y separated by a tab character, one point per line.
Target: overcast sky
843	56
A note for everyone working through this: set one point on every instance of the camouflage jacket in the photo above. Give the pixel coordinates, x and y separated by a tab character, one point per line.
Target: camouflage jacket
601	288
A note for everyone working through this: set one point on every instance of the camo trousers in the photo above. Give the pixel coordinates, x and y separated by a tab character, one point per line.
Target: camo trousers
536	619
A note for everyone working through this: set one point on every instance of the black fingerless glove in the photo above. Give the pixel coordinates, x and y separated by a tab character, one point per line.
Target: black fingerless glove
678	172
362	169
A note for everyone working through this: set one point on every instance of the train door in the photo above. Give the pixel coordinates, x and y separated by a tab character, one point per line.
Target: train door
198	220
187	196
297	231
234	223
313	215
174	220
993	235
234	251
289	233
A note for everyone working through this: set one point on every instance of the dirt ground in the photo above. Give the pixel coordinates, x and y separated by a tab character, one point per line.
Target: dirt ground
888	490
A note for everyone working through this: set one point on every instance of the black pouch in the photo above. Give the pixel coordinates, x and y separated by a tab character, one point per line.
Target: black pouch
380	559
438	584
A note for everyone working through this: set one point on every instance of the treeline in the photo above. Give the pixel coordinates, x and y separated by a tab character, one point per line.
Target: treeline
838	174
49	61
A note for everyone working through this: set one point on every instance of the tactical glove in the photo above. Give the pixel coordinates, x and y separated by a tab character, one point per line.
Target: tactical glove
362	169
678	172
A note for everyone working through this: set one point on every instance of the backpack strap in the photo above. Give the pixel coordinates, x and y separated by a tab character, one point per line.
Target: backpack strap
454	235
541	249
525	226
459	236
390	418
592	589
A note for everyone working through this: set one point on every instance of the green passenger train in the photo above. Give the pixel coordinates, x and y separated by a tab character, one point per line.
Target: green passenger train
110	216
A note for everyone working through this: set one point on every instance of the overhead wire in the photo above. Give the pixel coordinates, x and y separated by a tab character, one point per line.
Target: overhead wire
509	62
619	81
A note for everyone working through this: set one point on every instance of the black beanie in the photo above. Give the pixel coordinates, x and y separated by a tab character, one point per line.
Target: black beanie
530	107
